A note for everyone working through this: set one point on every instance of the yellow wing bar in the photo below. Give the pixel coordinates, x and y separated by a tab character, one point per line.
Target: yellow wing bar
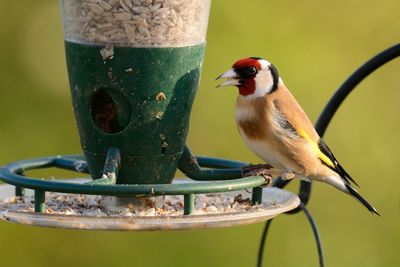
315	146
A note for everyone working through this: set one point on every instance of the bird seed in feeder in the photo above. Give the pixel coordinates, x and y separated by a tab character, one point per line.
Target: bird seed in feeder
136	22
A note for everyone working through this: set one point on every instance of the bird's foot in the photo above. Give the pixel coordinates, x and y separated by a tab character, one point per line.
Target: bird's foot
251	170
264	170
287	175
268	179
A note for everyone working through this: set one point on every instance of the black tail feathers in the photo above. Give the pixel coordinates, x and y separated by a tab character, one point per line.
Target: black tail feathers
355	194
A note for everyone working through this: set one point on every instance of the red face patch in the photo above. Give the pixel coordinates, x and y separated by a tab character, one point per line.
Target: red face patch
247	87
248	84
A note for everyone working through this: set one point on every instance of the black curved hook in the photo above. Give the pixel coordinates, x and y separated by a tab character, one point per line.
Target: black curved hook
315	232
351	82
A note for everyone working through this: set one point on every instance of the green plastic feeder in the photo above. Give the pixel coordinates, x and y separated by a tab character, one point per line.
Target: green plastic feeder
133	73
134	68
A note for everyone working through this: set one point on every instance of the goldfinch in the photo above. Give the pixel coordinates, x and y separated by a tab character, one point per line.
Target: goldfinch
274	126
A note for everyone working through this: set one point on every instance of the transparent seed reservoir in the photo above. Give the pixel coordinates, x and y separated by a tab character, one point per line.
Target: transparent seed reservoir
134	69
136	23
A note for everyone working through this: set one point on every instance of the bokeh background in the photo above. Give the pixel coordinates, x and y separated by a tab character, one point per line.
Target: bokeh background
314	44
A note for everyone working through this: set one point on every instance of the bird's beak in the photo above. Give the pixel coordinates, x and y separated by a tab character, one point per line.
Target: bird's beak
232	78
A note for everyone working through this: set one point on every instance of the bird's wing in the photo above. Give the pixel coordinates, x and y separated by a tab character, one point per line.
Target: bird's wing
291	110
323	147
297	120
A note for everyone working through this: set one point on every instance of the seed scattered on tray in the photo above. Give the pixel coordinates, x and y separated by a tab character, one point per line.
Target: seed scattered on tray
98	206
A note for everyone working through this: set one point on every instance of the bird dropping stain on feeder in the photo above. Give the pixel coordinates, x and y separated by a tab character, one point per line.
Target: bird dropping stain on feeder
159	115
107	52
164	147
161	96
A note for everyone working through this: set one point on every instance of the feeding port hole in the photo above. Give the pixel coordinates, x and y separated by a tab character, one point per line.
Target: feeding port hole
108	116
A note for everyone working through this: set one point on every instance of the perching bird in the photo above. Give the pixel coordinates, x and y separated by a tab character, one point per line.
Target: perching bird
275	127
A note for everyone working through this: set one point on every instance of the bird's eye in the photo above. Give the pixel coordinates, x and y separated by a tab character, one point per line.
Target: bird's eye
246	72
250	71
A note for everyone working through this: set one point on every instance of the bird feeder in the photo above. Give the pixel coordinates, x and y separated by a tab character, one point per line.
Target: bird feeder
134	68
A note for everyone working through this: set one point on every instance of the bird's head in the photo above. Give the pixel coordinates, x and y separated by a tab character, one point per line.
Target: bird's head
253	76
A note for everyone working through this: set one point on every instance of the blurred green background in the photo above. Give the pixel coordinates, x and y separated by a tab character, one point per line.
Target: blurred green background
314	44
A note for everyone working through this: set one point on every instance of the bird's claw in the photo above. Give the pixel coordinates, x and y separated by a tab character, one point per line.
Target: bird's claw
268	179
287	175
264	170
251	170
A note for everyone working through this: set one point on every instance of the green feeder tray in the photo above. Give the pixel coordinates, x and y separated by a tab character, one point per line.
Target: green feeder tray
205	170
